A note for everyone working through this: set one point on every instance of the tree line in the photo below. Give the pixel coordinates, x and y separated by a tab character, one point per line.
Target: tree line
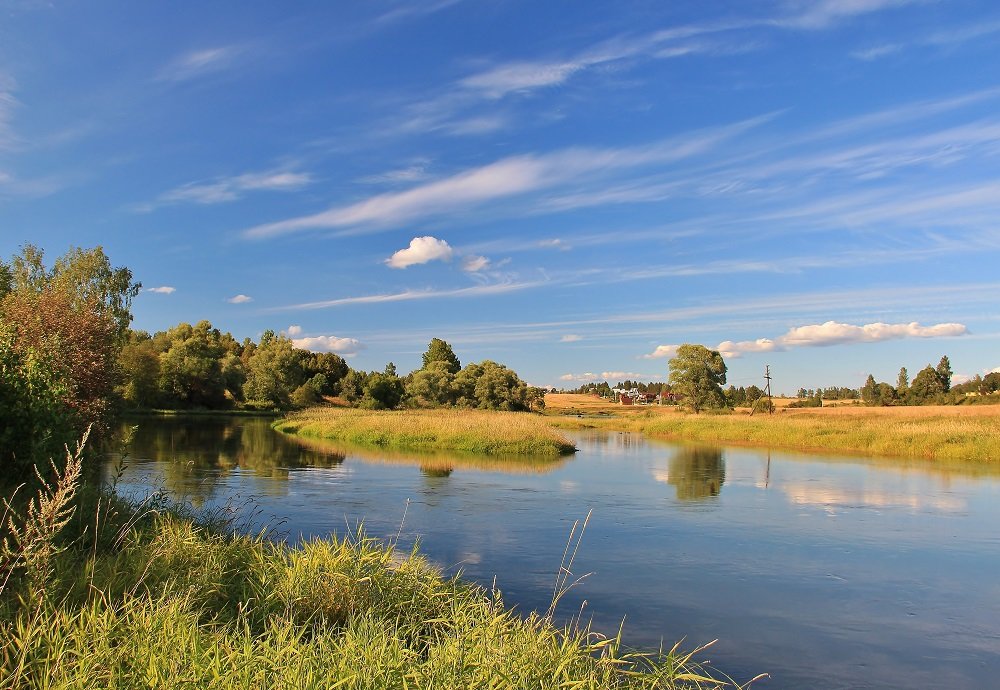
69	359
200	367
931	386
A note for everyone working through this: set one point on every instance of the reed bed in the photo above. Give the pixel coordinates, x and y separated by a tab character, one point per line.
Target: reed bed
934	433
159	601
467	431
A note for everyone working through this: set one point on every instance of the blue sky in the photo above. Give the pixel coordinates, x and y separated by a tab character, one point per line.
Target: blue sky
571	188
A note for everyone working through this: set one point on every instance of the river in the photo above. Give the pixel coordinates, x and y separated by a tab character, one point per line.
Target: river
823	571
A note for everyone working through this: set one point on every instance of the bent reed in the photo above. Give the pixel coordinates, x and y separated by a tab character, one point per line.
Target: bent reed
468	431
153	599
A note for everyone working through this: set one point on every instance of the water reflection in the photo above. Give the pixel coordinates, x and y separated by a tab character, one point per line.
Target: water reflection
435	464
696	472
828	572
206	449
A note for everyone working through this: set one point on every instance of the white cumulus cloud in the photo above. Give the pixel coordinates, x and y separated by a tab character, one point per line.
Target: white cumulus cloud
294	330
162	290
329	343
421	251
728	348
662	351
833	333
240	299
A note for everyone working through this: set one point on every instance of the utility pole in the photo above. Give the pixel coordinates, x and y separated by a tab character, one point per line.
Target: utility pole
767	377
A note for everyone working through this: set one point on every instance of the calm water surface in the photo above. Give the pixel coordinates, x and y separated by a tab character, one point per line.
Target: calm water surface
826	572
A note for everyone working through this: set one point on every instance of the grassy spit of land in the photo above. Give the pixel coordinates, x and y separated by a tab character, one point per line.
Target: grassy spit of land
155	600
935	432
468	431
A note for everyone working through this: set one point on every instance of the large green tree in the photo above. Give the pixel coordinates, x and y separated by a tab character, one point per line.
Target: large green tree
85	276
432	386
273	371
440	351
697	374
944	373
197	370
926	385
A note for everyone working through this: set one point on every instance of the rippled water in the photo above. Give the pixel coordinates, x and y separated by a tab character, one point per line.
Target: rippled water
826	572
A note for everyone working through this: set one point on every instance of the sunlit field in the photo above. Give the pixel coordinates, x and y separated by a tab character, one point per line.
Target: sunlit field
468	431
931	432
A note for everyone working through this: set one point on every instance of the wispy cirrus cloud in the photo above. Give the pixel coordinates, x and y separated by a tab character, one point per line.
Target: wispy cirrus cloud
8	103
222	190
508	177
876	52
475	263
198	63
822	14
571	338
413	295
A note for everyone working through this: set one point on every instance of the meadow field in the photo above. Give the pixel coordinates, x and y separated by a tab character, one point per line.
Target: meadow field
967	433
467	431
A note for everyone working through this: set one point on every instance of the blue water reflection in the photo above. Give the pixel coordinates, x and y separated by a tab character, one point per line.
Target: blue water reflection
823	571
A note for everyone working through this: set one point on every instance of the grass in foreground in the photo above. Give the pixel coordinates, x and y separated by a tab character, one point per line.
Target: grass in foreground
970	434
157	601
468	431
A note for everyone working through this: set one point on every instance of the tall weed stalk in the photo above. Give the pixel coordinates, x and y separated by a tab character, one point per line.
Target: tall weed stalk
31	543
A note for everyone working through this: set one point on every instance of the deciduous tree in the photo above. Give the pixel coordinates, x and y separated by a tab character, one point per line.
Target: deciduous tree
698	374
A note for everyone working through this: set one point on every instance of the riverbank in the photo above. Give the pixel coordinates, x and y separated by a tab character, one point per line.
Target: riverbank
932	433
150	412
467	431
154	599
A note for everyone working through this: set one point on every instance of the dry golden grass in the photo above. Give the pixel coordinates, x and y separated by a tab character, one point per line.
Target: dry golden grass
473	431
960	433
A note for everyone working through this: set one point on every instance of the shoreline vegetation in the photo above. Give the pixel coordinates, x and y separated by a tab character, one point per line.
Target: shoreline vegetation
944	433
99	593
482	432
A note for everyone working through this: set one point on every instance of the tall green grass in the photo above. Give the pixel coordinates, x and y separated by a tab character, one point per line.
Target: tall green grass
152	599
469	431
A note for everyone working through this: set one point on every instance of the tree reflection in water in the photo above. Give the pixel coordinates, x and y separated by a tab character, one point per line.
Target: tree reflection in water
697	472
206	447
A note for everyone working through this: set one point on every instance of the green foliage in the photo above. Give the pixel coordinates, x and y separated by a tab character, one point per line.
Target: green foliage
84	274
902	383
870	391
192	373
35	419
432	386
382	391
944	373
310	392
273	370
697	374
927	385
139	362
330	365
440	351
175	604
